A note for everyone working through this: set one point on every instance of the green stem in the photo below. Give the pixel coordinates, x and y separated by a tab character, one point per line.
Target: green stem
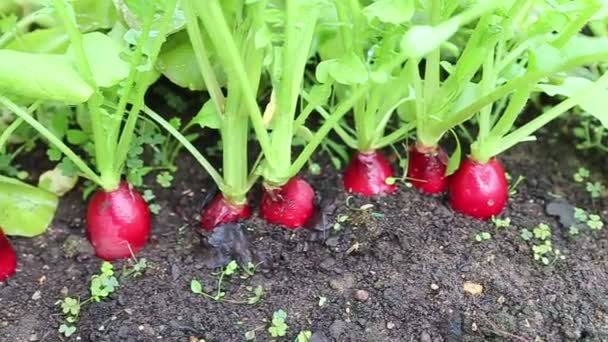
575	27
45	132
298	39
202	57
329	123
394	136
213	173
431	71
215	23
364	122
144	81
381	126
234	137
488	80
464	114
526	130
8	132
347	138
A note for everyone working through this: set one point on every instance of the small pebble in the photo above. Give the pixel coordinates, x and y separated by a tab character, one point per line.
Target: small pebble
361	295
33	337
390	325
434	287
425	337
36	295
472	288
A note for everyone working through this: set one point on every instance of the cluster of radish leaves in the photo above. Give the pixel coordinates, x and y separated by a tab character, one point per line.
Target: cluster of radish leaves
104	77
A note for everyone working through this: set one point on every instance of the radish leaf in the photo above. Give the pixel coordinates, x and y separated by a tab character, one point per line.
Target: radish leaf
103	55
25	210
348	69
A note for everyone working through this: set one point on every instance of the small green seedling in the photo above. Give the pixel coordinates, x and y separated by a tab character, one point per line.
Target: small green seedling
257	293
501	223
581	175
278	327
339	221
595	189
483	236
102	286
322	300
595	222
138	268
542	247
304	336
164	179
542	232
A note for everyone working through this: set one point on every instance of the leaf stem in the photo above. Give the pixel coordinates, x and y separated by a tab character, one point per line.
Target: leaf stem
46	133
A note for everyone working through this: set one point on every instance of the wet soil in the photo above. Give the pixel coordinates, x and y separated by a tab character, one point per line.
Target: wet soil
395	271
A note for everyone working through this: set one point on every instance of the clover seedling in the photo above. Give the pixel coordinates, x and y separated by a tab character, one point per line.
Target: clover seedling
581	175
278	327
483	236
595	222
258	292
595	189
501	223
102	285
304	336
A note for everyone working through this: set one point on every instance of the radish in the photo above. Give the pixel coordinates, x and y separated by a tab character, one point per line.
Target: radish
367	174
8	258
427	168
221	211
290	205
479	189
118	222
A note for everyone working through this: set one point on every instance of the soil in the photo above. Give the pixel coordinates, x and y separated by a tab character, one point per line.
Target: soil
393	272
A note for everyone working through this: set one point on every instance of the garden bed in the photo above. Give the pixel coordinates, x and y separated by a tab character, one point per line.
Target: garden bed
394	272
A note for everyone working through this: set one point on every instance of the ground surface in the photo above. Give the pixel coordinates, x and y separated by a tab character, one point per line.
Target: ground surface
409	254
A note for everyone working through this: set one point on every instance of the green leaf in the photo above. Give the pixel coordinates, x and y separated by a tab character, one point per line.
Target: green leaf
196	287
177	62
77	137
66	330
56	182
390	11
207	116
52	40
594	104
103	55
348	69
420	40
41	77
231	268
25	210
94	14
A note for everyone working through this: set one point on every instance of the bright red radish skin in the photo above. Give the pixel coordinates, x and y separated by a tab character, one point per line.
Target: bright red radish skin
367	173
8	258
478	189
221	211
426	169
118	222
291	205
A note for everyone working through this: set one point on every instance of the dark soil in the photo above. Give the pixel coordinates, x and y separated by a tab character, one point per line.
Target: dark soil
409	254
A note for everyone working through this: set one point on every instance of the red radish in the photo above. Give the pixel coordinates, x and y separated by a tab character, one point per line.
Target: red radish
118	222
367	173
8	258
221	211
291	205
426	168
478	189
